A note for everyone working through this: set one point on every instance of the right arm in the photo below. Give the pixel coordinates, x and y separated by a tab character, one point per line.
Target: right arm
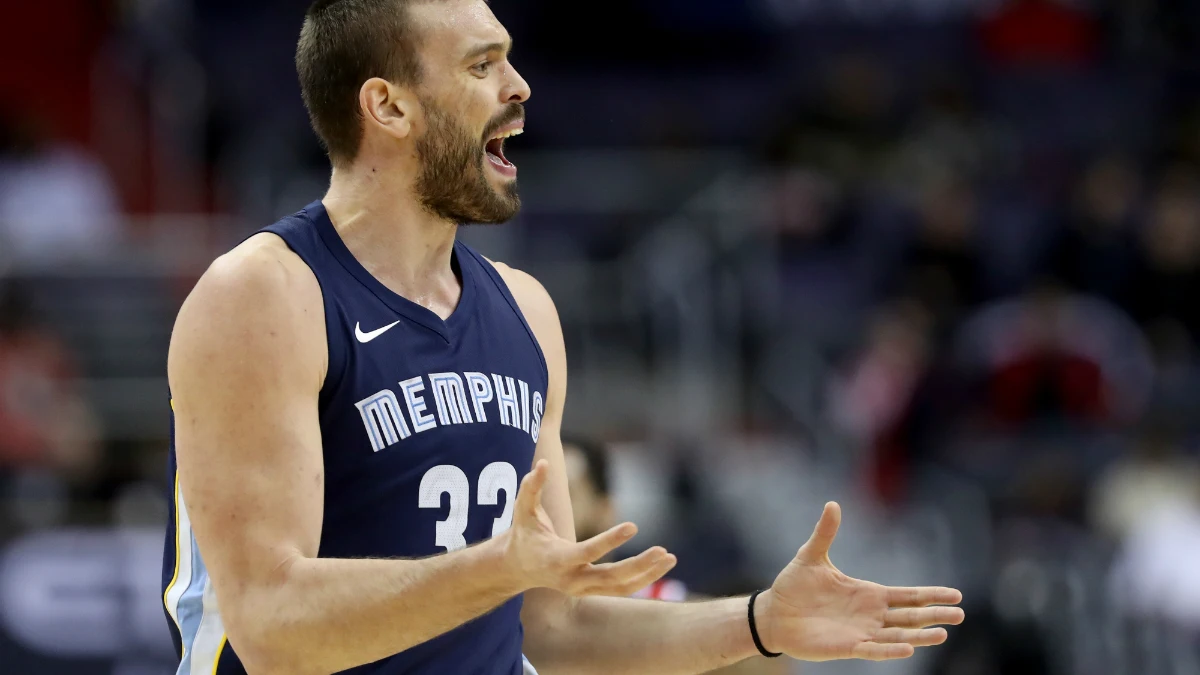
246	365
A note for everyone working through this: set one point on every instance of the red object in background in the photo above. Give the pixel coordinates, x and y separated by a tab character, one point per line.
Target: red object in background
34	371
47	54
52	66
1071	385
1040	33
888	473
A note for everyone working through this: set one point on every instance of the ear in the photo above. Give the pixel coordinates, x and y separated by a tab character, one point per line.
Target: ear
386	107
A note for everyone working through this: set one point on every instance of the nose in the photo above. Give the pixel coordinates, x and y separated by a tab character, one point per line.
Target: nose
517	89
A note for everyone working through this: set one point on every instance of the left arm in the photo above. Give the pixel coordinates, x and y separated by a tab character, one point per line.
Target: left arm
812	611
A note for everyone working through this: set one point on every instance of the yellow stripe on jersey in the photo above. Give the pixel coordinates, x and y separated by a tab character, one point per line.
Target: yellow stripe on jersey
175	576
217	660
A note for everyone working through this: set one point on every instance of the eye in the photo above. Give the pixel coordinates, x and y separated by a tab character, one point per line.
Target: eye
482	68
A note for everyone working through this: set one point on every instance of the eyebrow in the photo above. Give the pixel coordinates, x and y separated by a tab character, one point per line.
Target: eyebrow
505	47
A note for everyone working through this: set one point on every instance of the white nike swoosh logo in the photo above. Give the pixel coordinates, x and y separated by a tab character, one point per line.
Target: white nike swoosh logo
367	337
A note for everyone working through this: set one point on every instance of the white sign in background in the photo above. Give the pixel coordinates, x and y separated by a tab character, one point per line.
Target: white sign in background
86	593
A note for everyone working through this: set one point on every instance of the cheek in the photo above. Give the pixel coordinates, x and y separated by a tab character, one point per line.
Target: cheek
479	109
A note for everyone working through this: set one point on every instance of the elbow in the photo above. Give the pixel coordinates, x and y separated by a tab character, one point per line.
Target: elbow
258	645
260	622
259	661
264	643
264	651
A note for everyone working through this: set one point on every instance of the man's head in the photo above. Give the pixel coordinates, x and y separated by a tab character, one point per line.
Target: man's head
587	480
422	86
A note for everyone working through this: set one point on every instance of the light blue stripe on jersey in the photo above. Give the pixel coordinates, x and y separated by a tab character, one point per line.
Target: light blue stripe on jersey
191	607
201	626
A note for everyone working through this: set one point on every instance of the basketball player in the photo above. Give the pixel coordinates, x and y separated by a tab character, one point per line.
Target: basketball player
368	473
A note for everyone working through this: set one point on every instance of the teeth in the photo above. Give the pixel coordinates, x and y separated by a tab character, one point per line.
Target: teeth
509	134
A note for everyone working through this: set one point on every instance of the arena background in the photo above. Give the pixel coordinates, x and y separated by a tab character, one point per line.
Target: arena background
936	259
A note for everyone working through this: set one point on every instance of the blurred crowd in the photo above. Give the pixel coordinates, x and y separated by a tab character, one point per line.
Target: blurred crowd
980	223
1001	263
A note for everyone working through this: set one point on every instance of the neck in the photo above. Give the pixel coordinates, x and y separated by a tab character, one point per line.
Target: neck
393	236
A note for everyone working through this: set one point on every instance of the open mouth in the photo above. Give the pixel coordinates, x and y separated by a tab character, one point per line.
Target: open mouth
495	151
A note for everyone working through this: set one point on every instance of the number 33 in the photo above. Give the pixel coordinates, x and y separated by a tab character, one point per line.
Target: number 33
495	478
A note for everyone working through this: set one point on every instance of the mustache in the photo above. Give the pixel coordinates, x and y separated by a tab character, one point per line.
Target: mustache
512	113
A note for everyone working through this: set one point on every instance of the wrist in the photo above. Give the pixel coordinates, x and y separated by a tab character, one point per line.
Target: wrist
763	612
736	642
500	557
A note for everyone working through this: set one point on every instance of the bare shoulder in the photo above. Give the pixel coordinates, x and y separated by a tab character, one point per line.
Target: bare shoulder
261	264
258	299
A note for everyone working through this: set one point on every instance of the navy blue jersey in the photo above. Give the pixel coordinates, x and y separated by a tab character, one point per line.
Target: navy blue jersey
427	426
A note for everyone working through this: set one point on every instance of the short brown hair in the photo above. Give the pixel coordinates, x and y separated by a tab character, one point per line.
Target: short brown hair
343	44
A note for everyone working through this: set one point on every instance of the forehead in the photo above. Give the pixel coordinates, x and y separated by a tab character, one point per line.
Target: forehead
451	29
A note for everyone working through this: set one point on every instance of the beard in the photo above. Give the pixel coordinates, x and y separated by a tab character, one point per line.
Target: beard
453	183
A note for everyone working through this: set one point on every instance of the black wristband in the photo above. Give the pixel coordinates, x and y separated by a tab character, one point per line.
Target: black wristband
754	628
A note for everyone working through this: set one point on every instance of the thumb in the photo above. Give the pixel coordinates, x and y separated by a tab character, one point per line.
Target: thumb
529	496
816	549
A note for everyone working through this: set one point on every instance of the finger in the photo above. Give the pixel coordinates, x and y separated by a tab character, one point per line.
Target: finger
529	495
926	637
922	617
816	549
922	596
604	543
664	565
595	579
874	651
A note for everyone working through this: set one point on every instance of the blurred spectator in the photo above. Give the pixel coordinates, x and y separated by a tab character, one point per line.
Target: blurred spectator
849	130
44	421
1166	282
1043	375
1155	478
824	158
56	201
872	399
878	398
588	480
1177	385
1057	357
942	265
950	133
1094	251
1040	33
1154	575
869	398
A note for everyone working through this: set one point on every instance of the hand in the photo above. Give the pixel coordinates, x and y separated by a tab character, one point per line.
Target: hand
814	612
540	558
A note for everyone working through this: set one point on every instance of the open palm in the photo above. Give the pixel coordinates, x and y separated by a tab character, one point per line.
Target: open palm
815	612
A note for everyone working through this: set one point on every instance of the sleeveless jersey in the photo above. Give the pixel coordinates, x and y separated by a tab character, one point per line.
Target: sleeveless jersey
426	425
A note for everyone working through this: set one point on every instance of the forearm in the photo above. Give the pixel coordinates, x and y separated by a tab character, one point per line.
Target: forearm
621	635
328	615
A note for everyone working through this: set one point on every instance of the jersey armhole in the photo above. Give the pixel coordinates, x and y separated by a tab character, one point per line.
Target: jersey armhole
502	286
